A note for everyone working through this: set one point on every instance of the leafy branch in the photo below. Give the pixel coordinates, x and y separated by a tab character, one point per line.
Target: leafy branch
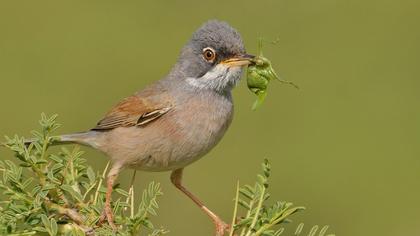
261	219
58	194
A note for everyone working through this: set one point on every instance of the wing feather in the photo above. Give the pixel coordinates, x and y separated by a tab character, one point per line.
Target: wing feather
135	110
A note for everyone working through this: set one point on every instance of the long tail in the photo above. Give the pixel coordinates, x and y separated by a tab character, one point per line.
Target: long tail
83	138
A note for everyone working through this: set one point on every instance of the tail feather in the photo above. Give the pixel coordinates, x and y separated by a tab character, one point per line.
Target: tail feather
83	138
79	138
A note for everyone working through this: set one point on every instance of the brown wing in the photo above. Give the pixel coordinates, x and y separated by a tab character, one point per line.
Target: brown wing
132	111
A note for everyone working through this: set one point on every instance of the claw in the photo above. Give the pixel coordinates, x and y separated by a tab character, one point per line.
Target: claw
108	216
221	228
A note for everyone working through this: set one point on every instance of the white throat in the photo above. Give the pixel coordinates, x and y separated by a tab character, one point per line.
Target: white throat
220	78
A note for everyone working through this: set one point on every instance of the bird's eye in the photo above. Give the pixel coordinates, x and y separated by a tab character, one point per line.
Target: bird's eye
209	54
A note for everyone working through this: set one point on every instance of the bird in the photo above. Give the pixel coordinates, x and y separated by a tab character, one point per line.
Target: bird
176	120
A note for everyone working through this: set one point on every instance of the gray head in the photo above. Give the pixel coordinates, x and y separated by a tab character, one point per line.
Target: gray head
213	58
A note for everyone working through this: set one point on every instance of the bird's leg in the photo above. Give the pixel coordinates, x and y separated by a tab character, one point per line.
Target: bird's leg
107	213
221	227
108	209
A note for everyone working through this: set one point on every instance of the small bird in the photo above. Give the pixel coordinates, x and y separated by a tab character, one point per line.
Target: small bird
176	120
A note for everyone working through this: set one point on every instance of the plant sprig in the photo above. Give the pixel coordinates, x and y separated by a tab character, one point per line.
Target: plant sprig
58	194
261	219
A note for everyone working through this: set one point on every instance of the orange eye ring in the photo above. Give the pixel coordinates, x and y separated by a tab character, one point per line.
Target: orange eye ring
209	54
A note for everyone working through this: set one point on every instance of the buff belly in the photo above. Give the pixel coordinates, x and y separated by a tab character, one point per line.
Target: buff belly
163	147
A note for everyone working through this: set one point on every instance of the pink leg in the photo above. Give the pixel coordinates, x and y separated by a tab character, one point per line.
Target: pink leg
221	227
112	176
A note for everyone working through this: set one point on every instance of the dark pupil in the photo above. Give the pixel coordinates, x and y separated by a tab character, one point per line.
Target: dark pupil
209	54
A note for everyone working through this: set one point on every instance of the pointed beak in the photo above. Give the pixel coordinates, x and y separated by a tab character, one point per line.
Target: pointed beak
241	60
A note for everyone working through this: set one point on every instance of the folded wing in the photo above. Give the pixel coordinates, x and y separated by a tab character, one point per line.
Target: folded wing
133	111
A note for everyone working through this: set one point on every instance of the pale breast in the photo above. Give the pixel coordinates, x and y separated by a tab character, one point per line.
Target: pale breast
183	135
202	123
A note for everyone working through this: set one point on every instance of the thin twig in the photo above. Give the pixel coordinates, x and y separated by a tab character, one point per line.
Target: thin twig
100	183
248	214
257	212
130	197
235	211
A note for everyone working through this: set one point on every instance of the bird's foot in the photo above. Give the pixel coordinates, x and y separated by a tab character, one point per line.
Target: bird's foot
108	216
221	227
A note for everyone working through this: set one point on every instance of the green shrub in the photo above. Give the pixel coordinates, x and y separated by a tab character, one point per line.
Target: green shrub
58	194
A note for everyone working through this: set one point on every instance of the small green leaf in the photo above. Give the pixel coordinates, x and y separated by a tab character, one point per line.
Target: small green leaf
45	221
122	192
323	230
243	222
53	227
313	230
91	175
39	229
56	158
244	204
41	161
72	192
299	229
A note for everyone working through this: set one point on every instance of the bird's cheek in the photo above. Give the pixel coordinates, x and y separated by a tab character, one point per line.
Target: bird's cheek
235	74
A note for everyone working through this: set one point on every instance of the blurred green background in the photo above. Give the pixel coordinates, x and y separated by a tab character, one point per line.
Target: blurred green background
346	145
